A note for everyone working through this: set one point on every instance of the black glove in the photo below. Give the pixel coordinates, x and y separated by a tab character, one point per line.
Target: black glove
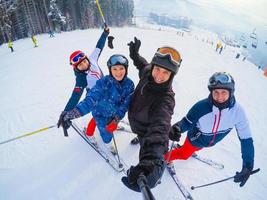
134	47
110	42
151	169
106	29
242	177
175	133
66	117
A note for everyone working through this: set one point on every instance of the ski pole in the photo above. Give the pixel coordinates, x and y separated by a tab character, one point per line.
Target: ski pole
28	134
226	179
120	165
146	192
101	13
170	152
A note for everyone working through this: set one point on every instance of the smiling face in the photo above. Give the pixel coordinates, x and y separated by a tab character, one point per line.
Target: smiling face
118	72
160	74
84	65
220	95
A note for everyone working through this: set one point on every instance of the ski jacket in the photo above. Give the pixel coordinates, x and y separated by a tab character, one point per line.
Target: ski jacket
86	80
150	112
207	125
108	99
9	44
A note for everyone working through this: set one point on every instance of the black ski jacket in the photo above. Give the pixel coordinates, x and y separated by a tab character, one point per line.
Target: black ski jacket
150	112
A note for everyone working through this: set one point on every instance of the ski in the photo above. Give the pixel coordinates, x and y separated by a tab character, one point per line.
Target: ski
113	163
123	128
204	160
179	184
208	161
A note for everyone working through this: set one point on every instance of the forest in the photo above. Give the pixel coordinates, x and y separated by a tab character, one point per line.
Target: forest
24	18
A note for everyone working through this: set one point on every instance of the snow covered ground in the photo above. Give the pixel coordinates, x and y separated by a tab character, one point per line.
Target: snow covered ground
36	83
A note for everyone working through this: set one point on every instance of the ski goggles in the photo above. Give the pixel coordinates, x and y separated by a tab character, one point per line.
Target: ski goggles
221	78
78	58
117	60
171	53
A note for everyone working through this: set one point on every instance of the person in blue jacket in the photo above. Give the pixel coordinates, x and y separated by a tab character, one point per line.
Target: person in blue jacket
108	100
210	120
87	72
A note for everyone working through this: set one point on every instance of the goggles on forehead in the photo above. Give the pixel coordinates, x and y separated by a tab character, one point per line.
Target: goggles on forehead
220	78
117	60
76	59
171	53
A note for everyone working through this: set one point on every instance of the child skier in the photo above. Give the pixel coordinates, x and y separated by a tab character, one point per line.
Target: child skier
210	120
108	100
87	72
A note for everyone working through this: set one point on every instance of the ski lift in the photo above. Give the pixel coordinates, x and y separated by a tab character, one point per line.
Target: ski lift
242	38
254	44
253	35
245	45
254	39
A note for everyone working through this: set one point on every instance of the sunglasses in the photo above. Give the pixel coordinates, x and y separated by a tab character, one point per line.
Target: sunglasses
171	53
117	60
79	57
220	78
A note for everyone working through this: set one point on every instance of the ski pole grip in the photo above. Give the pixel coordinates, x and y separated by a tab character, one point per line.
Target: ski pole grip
255	171
65	130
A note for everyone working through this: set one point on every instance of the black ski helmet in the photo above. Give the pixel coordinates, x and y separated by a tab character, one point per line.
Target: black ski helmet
222	80
168	58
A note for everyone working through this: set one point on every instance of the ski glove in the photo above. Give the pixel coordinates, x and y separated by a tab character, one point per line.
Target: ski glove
110	42
134	48
66	117
151	169
242	177
175	133
106	29
112	125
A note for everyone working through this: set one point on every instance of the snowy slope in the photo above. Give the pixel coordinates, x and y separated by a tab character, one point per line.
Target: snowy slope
36	83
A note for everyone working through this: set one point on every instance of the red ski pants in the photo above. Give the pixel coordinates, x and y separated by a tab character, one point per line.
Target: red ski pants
183	152
91	127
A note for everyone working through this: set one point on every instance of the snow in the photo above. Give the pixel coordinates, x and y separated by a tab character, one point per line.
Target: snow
37	82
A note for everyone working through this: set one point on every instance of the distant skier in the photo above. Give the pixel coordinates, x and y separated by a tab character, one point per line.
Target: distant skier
34	40
108	100
51	33
10	45
210	120
221	48
150	112
218	46
87	72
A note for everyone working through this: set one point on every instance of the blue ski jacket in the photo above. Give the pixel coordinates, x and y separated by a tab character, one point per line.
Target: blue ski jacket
207	125
108	99
86	80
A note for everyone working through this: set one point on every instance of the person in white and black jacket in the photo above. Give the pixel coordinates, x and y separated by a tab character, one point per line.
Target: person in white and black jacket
210	120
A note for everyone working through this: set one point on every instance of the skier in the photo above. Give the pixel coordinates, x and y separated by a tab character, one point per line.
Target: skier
10	45
108	100
87	72
210	120
51	33
150	112
34	40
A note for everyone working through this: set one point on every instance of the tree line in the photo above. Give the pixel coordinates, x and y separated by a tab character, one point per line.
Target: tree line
23	18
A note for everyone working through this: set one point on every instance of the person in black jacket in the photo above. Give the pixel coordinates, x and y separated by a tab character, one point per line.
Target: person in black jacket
150	112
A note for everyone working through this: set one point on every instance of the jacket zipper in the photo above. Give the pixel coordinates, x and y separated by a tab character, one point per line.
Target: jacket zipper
215	129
